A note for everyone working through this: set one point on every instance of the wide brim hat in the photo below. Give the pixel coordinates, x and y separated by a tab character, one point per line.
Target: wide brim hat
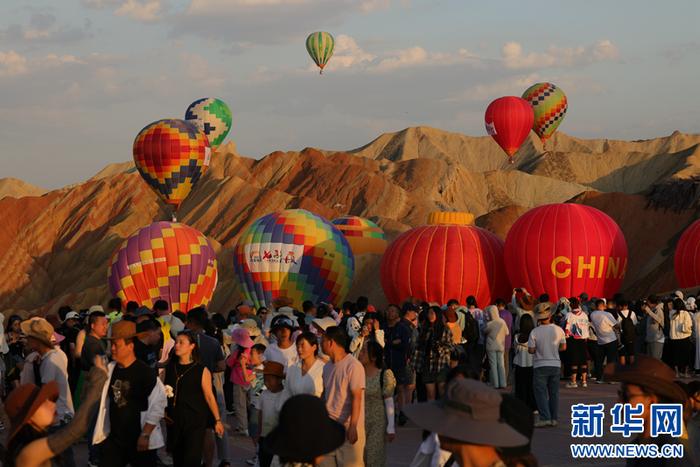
320	434
251	326
39	329
273	368
241	337
124	330
543	310
324	323
24	400
649	373
469	412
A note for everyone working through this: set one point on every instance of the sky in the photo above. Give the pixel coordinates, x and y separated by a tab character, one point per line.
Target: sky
80	78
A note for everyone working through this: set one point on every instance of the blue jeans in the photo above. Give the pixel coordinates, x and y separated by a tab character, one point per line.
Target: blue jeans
497	369
545	382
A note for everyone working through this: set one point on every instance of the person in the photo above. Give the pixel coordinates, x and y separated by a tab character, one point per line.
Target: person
306	375
131	407
257	385
148	341
69	329
271	401
627	320
649	381
576	331
46	363
170	324
305	447
507	317
478	351
343	391
451	321
32	409
370	331
283	350
191	406
522	303
309	309
696	335
399	344
680	330
522	363
496	333
606	329
14	358
432	352
114	307
478	430
545	343
245	310
241	377
379	404
355	319
254	331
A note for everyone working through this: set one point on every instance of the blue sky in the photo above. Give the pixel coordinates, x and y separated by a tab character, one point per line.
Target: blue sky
80	78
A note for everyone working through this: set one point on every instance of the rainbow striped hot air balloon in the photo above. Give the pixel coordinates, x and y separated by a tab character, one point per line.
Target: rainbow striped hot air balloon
167	261
295	254
549	104
363	235
320	46
212	116
171	155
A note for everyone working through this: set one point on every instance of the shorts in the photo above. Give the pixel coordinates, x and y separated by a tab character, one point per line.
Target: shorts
429	378
405	375
627	350
576	351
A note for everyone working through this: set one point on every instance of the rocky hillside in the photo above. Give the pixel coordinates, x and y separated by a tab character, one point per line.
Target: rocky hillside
54	248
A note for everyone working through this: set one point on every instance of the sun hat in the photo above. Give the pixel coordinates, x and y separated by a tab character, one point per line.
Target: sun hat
57	338
39	329
242	338
71	315
95	308
320	434
251	326
543	310
273	368
649	373
24	400
123	330
469	412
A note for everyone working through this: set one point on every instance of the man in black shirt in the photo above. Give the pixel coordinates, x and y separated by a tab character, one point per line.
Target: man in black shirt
94	345
146	345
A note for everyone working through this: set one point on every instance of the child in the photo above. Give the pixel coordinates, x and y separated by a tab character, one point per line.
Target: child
271	401
240	377
257	385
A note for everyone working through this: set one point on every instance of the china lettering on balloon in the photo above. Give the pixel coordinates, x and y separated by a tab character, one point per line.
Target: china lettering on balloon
592	267
260	257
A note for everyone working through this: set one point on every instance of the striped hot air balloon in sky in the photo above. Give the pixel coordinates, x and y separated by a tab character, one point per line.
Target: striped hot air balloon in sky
171	155
549	105
167	261
294	254
363	235
320	46
212	116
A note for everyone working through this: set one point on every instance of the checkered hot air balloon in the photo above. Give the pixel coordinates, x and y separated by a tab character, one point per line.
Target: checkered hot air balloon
171	155
549	105
363	235
320	46
295	254
212	116
167	261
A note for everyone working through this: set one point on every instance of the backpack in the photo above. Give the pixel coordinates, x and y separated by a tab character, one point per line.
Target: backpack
629	330
471	328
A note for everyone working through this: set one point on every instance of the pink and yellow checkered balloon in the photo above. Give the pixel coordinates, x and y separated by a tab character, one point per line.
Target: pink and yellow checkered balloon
165	261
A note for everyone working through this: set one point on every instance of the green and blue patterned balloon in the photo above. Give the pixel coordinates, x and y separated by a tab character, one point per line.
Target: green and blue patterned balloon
212	116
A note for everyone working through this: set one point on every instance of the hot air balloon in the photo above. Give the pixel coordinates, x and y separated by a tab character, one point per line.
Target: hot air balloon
448	259
171	155
363	235
687	257
549	105
294	254
320	47
212	116
167	261
566	249
508	121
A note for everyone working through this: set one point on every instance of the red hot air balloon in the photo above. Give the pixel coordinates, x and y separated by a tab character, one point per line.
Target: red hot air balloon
687	258
566	249
509	120
438	262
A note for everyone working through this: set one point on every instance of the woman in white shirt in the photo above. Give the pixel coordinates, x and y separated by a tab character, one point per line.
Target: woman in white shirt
306	376
680	330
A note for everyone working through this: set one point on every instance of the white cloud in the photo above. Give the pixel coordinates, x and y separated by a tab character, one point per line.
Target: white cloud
147	11
200	71
43	28
348	54
514	58
512	86
12	64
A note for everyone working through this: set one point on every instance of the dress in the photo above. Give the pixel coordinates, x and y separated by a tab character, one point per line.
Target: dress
375	417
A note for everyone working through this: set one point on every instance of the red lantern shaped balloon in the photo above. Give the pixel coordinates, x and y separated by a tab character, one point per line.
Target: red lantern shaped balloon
687	258
445	260
566	249
509	120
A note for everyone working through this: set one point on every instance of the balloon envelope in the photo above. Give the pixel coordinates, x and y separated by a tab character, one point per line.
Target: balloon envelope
566	249
171	155
212	116
549	105
687	257
363	235
294	254
320	47
436	263
165	261
509	120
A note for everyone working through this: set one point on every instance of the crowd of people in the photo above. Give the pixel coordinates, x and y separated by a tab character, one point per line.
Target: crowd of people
328	386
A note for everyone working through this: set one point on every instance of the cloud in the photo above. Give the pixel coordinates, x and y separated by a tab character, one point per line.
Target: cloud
12	64
347	54
146	11
43	28
200	71
512	86
558	57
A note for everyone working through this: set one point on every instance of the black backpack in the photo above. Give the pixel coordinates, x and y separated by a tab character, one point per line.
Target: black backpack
629	330
471	328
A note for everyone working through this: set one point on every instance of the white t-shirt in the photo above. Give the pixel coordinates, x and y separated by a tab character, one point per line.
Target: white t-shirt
577	325
310	383
271	404
546	340
287	357
603	323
